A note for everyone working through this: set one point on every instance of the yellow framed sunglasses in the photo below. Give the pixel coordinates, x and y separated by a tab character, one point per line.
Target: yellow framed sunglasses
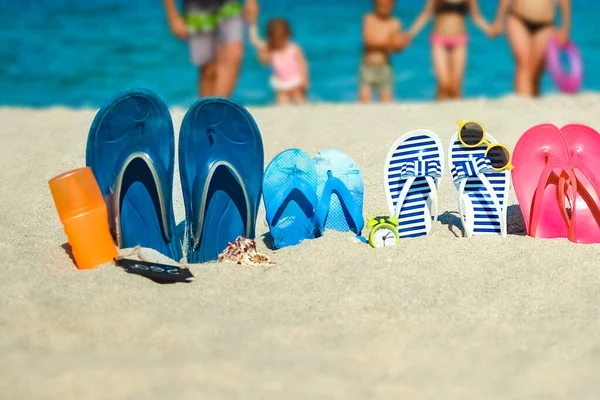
471	134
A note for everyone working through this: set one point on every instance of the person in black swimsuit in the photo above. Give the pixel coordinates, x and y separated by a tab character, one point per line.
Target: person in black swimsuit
529	27
449	41
532	26
445	7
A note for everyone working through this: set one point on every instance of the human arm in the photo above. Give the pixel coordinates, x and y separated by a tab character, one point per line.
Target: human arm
259	44
251	11
422	19
479	20
498	25
563	32
176	22
301	60
399	40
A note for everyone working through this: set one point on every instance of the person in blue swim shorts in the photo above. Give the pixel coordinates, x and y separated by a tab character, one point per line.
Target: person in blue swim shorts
215	32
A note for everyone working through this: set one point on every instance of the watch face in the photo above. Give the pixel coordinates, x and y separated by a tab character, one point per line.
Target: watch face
384	236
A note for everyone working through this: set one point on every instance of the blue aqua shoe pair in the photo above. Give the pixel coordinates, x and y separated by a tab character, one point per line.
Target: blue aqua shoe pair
131	151
304	196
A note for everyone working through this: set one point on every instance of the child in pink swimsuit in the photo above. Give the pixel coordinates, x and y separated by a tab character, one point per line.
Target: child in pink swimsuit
290	71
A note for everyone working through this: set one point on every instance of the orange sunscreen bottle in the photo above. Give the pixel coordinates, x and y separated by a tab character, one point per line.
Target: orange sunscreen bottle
83	213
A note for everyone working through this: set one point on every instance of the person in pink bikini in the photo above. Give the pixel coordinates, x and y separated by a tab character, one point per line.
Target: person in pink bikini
449	41
290	70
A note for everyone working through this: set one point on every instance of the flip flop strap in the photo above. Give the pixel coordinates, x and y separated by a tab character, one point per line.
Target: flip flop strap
475	167
552	163
486	182
157	170
461	207
335	184
577	163
433	195
296	183
494	197
200	190
561	194
418	168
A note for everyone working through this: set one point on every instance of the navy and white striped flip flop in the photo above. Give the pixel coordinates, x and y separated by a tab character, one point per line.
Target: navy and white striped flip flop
482	191
413	169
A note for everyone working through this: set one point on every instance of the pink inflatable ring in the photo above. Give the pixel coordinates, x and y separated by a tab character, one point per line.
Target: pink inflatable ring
566	83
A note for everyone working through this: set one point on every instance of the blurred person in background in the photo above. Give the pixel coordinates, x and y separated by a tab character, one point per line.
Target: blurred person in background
449	41
529	26
290	70
382	35
215	32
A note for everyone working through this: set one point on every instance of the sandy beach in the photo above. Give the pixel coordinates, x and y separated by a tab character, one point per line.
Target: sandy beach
440	317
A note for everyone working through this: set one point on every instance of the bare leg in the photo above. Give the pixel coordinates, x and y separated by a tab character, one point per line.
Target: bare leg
386	95
283	98
458	58
229	59
365	94
540	42
441	60
521	45
208	78
298	96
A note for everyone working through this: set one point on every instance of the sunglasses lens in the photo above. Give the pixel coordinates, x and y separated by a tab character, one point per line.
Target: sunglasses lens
471	134
498	156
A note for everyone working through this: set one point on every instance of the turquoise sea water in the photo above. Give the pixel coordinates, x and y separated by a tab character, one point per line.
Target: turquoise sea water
79	53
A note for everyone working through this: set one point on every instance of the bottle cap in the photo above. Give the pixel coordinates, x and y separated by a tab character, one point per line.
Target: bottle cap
75	192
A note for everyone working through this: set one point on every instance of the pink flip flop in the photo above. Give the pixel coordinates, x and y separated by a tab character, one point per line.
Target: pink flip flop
540	177
584	147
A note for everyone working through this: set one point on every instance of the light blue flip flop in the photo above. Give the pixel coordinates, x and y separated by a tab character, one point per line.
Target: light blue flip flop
131	151
341	192
221	163
289	193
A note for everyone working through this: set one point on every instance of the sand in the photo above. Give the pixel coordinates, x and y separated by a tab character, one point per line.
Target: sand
439	317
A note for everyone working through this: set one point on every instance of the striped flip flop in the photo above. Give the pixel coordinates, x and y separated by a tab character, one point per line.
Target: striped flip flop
412	173
482	191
